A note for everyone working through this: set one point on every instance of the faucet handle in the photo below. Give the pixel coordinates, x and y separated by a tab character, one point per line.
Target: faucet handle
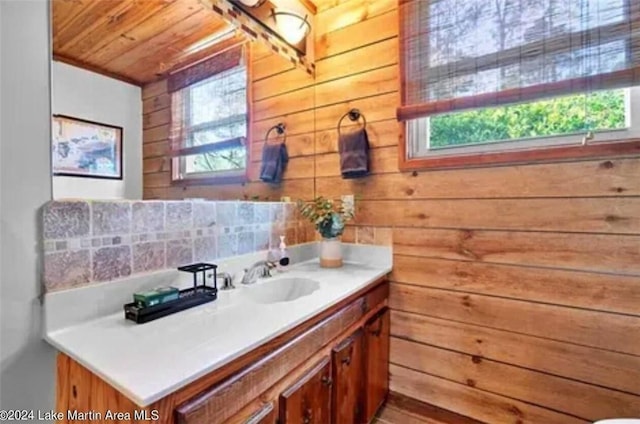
227	281
246	277
269	265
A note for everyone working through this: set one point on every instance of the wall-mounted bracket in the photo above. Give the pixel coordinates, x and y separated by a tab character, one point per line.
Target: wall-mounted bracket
258	31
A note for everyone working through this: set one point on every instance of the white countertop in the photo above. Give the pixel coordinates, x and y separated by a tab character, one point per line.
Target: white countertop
148	361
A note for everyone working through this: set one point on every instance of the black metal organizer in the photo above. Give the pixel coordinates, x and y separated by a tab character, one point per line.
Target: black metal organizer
197	295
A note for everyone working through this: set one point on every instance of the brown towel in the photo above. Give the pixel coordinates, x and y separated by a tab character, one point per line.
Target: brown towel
354	154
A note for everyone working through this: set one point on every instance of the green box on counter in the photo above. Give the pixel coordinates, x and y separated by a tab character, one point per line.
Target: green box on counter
156	296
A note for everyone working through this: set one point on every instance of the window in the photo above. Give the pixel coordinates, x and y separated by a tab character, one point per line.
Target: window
209	127
518	80
557	121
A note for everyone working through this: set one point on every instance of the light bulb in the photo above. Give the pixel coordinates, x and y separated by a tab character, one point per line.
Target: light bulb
291	26
250	3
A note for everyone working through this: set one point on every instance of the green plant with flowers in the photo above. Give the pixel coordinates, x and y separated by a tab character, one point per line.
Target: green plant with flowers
328	216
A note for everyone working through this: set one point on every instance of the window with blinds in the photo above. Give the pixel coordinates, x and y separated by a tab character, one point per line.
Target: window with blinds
210	120
486	78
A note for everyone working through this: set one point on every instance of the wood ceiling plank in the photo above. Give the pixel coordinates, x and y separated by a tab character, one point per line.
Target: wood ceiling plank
164	43
182	60
64	11
120	23
94	14
145	31
179	56
137	41
176	55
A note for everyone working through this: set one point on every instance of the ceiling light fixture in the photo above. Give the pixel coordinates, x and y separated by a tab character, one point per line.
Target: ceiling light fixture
292	26
252	3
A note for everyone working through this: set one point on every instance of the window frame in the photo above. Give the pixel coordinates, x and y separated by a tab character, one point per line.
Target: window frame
222	177
419	131
604	148
594	150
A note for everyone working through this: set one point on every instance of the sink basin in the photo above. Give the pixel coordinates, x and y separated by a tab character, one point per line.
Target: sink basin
282	290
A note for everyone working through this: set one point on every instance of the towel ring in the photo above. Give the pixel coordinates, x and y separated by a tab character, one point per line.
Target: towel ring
280	129
353	115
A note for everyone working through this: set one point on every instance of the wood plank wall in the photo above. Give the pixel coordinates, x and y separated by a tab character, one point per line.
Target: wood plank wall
298	181
516	289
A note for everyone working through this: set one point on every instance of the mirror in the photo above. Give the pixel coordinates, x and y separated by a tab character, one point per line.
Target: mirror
111	102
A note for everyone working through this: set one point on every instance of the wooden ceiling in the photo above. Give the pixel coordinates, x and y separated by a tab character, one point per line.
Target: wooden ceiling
138	41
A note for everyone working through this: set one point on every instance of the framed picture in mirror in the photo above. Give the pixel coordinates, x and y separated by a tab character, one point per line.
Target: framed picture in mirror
82	148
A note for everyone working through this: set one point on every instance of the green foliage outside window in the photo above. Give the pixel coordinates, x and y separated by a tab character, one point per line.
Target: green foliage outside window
603	110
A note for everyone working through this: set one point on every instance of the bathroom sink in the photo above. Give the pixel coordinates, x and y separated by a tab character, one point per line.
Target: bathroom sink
282	290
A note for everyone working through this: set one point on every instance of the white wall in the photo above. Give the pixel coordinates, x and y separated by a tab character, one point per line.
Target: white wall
87	95
27	363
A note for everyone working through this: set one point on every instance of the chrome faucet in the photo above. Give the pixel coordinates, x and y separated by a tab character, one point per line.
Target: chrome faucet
227	280
257	270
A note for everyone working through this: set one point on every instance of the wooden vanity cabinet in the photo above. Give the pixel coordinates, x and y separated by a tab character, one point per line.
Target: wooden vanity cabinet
308	400
348	380
333	368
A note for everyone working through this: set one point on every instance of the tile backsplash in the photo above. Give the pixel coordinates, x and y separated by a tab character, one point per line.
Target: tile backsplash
96	241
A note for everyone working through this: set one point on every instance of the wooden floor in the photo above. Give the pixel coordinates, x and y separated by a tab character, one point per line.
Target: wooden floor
403	410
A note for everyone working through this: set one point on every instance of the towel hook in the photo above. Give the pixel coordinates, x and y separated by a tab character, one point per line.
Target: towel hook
280	129
353	115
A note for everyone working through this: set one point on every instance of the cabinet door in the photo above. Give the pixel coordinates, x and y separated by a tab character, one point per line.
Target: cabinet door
348	380
377	363
308	400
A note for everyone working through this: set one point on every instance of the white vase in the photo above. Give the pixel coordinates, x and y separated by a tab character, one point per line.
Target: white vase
331	253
